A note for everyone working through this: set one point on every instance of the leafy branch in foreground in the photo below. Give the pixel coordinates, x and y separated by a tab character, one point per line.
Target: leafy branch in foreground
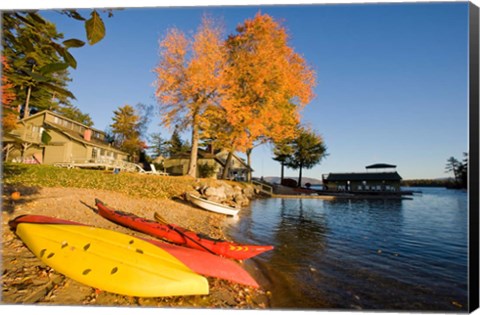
39	57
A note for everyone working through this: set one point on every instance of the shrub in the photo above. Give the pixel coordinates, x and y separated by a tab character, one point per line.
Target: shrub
206	170
289	182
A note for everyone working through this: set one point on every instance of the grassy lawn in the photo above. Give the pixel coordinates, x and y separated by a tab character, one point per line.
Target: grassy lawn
133	184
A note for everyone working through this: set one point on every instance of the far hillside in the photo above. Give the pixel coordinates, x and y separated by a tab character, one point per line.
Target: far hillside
440	182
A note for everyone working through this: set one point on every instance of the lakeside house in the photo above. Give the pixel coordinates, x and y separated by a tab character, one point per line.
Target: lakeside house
378	178
49	138
215	159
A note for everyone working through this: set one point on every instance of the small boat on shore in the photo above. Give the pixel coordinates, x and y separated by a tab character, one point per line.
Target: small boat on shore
212	206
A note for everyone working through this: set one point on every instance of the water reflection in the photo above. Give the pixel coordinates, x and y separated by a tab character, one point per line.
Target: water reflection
367	254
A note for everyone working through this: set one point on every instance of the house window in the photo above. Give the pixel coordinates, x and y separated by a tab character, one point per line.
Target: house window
94	153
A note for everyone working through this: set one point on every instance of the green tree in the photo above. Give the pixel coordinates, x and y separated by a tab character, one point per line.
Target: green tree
459	169
176	145
127	129
452	166
158	145
282	152
308	150
37	70
39	57
76	114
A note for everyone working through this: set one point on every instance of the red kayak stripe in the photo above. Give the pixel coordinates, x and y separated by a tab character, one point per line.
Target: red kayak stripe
181	236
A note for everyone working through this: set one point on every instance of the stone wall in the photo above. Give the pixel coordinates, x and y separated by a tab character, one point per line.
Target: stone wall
231	194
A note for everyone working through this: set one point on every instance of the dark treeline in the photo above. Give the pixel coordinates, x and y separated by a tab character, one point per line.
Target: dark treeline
428	182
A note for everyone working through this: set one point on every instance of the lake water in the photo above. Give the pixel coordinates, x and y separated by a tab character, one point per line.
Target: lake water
361	254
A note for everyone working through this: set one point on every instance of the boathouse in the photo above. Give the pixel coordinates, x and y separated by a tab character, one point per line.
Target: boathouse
378	178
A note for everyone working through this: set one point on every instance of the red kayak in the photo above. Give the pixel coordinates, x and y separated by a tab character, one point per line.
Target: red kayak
198	261
178	235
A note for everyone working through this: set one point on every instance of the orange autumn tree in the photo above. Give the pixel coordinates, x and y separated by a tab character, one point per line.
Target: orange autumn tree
187	82
9	116
265	86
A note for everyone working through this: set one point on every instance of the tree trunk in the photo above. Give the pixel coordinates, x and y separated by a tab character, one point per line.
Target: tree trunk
192	165
26	109
25	146
282	172
300	175
7	149
249	173
226	168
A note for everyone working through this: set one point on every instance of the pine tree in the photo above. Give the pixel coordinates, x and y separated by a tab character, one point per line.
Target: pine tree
126	129
39	59
175	145
37	70
158	146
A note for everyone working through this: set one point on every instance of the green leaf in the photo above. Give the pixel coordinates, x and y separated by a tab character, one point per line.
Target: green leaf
95	28
73	43
53	67
23	19
36	76
37	18
69	59
26	44
74	14
57	89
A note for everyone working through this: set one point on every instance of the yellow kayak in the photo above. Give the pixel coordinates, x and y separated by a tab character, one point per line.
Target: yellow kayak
111	261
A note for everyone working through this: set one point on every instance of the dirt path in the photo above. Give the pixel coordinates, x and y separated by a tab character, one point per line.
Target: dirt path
26	280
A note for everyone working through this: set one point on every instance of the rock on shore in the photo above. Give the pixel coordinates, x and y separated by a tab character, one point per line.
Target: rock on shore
231	194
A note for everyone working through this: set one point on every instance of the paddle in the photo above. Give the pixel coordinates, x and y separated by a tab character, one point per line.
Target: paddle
160	219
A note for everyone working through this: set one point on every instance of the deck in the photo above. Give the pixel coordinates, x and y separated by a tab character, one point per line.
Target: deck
101	163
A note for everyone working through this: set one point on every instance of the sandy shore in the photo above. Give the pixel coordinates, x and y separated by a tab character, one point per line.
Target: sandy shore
26	280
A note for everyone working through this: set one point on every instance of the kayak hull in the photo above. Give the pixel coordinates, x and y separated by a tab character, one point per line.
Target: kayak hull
180	236
109	260
212	206
200	262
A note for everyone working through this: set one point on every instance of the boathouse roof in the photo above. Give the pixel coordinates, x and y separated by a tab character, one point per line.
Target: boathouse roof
380	165
391	176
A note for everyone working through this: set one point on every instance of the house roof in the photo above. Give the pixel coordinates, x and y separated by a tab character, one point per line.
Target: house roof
390	176
77	136
43	112
201	153
204	154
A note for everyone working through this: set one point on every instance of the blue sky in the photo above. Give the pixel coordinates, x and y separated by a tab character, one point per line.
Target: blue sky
392	78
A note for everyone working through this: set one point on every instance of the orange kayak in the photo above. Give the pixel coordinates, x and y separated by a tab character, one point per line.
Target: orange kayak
181	236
